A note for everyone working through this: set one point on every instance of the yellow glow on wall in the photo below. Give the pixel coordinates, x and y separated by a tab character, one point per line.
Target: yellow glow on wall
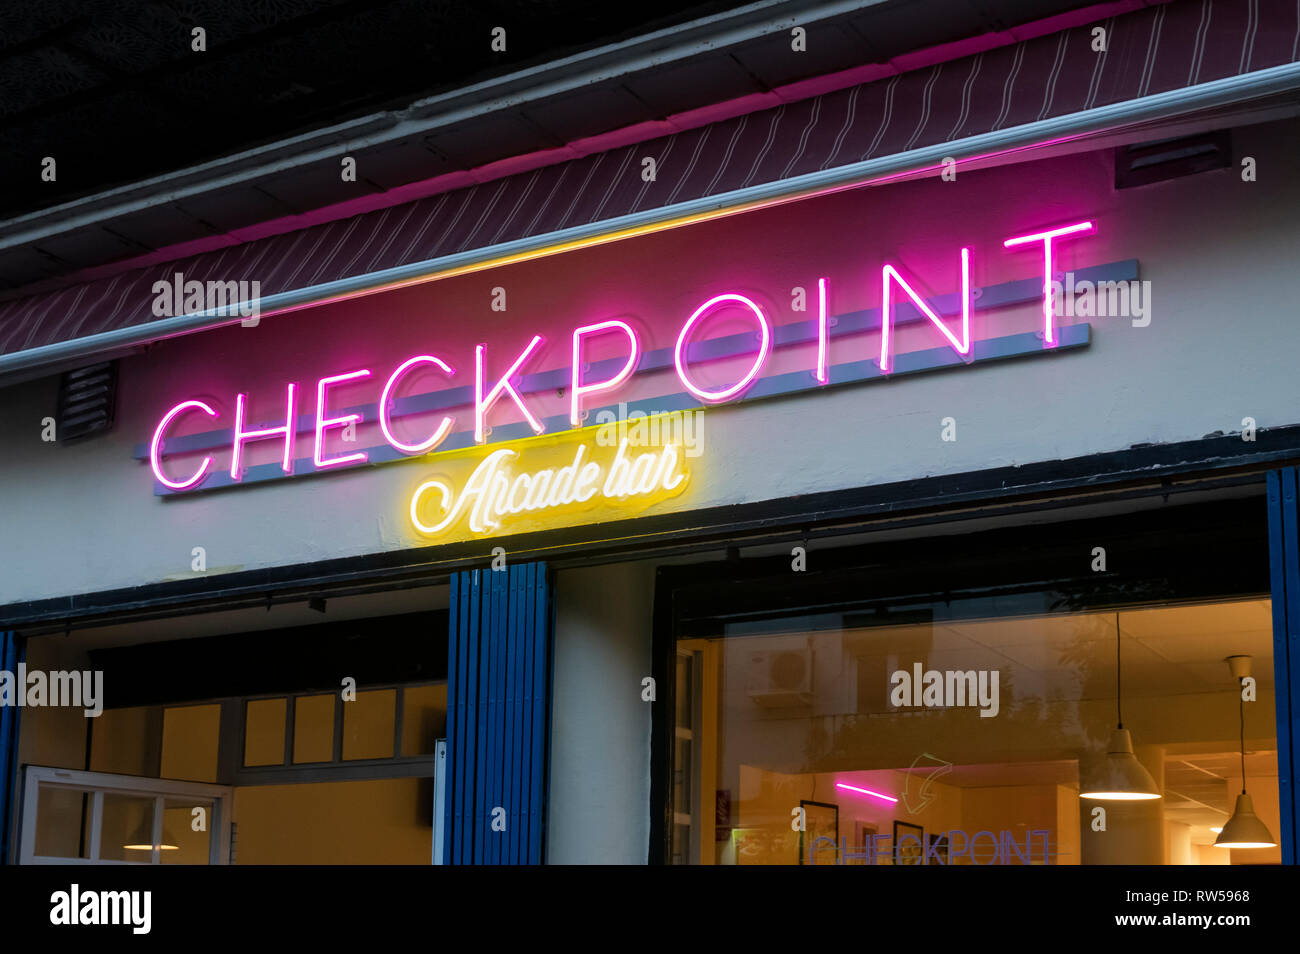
594	474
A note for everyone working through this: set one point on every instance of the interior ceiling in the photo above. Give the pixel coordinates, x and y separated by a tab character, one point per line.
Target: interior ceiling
114	93
278	616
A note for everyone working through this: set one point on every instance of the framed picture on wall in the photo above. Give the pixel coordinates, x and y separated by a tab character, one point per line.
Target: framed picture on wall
909	844
819	842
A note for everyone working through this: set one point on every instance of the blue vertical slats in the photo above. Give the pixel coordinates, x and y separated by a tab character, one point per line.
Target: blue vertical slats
510	855
497	705
10	657
491	737
525	711
1284	564
541	646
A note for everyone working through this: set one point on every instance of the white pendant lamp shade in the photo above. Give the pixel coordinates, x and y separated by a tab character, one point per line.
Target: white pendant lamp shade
1121	778
1244	829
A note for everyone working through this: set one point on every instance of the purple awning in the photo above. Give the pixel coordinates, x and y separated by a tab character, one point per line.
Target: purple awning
1149	50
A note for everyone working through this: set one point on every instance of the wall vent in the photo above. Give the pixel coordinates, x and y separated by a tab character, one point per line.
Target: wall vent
1147	162
87	398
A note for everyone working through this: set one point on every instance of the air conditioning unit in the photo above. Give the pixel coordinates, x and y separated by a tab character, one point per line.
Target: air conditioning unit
779	678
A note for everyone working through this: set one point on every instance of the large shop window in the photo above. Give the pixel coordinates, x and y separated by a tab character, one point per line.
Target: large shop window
976	727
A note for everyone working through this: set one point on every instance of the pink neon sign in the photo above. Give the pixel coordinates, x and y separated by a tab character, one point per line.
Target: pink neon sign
764	348
487	393
242	436
577	388
385	424
1078	228
156	447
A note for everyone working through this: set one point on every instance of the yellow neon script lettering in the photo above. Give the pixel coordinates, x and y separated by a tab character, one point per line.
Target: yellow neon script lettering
493	492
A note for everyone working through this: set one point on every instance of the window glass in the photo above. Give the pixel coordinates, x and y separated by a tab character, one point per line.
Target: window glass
969	732
189	742
424	718
264	731
369	722
313	728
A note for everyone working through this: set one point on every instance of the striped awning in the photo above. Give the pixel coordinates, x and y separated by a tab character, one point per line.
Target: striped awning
1006	84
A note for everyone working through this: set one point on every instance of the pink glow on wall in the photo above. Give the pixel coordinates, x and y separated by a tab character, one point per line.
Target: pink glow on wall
385	424
483	404
1079	228
156	447
324	423
577	388
765	347
889	275
242	436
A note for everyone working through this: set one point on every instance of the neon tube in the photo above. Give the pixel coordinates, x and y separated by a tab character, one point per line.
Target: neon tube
483	404
324	423
822	331
385	424
864	791
156	447
1049	327
765	346
578	388
242	436
961	345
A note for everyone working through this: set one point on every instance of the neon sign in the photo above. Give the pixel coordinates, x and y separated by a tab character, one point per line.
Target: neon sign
498	490
587	381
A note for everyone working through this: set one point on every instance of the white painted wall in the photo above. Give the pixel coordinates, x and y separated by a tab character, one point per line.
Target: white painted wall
1221	255
599	805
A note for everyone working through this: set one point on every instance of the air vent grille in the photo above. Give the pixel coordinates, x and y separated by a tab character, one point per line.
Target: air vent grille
1144	163
87	398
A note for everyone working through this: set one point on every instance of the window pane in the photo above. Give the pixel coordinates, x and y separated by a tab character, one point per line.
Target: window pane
264	732
182	844
957	732
313	729
424	718
62	823
189	742
126	828
368	725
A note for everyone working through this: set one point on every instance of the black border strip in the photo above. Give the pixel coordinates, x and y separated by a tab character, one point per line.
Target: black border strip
1160	465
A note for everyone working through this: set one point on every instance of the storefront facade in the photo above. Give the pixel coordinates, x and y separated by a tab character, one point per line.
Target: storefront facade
807	533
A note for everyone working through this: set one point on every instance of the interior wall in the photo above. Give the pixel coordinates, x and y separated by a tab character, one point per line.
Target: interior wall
382	821
599	802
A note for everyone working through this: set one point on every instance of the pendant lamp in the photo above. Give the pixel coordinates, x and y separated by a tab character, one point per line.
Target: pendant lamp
1244	829
141	839
1121	778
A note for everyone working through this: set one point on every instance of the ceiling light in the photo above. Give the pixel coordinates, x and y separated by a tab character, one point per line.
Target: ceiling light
1121	778
1244	829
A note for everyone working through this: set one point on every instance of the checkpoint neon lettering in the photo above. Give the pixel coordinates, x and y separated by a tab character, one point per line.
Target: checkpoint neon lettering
583	384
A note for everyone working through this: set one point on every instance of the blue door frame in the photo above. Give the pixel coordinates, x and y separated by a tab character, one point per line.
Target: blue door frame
1284	565
498	716
11	654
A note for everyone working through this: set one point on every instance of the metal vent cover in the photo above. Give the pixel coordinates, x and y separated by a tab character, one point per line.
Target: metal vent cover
87	399
1147	162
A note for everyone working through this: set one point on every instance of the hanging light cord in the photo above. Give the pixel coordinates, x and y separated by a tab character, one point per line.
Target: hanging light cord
1241	708
1119	711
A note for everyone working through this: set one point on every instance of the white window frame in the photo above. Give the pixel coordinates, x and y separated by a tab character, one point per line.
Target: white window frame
97	784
